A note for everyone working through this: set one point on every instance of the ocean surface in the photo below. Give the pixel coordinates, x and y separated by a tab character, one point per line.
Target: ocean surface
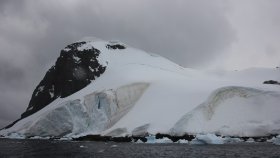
69	149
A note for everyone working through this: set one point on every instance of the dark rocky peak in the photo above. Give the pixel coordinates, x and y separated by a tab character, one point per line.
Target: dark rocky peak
76	67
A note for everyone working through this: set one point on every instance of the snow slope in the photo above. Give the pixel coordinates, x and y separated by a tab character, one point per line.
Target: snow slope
234	111
143	93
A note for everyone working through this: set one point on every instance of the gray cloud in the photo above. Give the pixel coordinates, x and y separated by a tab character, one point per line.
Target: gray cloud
192	33
256	23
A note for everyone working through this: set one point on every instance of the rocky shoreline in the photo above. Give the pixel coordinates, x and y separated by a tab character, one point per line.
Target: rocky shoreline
164	138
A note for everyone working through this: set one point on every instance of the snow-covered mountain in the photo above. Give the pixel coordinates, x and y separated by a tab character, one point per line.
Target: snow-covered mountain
111	89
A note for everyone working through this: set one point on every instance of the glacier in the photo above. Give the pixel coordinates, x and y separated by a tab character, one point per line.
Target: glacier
142	94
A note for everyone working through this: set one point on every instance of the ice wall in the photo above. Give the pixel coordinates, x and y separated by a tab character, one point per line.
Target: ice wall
98	112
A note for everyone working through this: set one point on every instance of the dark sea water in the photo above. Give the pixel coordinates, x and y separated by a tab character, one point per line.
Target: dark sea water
69	149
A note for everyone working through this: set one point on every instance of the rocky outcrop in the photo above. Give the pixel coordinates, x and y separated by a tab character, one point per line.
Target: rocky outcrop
271	82
75	68
115	46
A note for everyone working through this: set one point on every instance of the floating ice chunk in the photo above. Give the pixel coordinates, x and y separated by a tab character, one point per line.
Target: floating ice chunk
39	137
276	140
207	139
182	141
139	141
152	139
250	140
213	139
36	137
228	140
164	140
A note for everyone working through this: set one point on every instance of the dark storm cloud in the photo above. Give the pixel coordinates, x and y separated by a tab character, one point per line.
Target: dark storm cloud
10	74
189	32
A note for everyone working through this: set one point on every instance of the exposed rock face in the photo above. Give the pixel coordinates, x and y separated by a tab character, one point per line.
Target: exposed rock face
271	82
115	46
75	68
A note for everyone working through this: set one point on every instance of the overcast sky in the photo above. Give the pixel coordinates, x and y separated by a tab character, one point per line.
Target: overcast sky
216	34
